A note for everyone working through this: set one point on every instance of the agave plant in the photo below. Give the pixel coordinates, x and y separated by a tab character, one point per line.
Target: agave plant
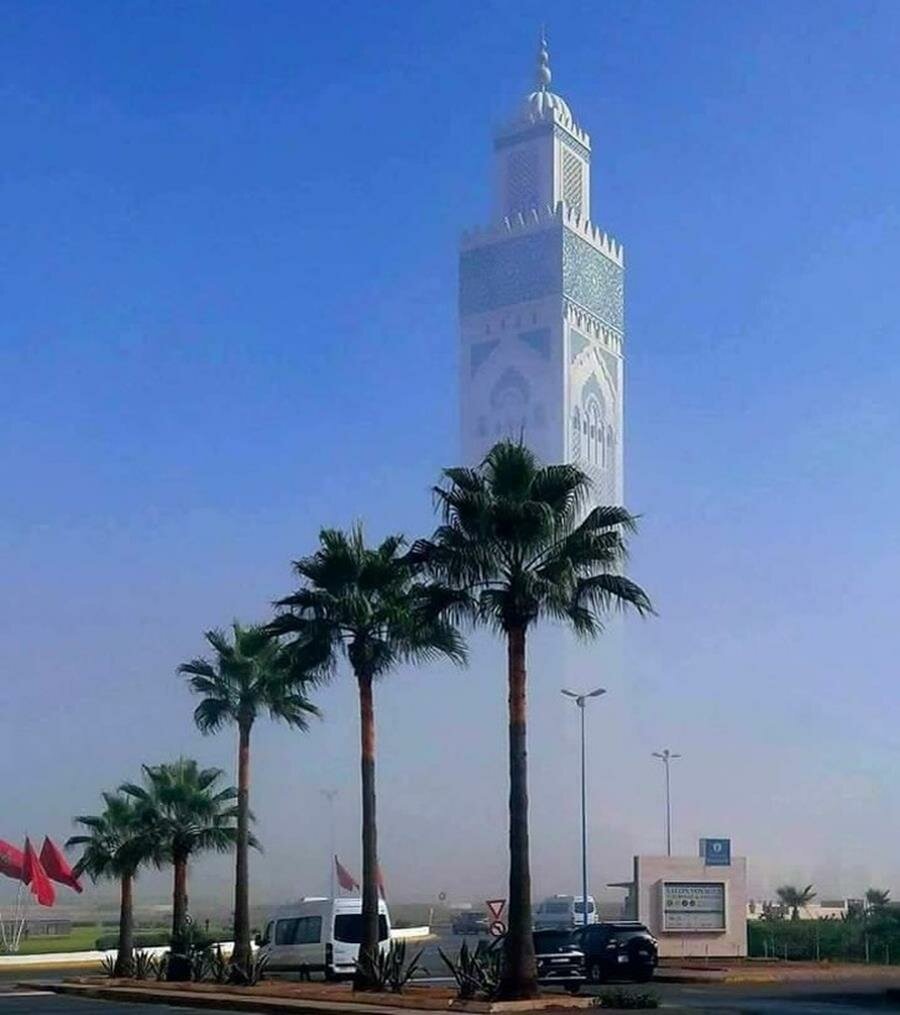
477	971
108	966
250	973
145	965
388	969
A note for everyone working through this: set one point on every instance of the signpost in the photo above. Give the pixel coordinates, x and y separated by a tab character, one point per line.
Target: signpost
497	927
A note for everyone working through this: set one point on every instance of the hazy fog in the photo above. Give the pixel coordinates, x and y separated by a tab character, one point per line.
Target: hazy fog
228	287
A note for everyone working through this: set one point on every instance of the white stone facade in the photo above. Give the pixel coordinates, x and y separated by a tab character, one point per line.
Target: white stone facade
652	875
541	303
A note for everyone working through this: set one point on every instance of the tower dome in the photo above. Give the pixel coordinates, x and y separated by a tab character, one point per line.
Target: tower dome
542	103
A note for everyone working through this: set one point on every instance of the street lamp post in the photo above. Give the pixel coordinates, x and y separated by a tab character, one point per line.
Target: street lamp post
665	757
580	701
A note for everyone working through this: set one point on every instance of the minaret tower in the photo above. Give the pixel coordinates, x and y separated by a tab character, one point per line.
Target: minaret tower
541	302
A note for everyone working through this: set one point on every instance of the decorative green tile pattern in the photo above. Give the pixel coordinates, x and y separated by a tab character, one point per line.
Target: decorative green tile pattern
592	280
511	271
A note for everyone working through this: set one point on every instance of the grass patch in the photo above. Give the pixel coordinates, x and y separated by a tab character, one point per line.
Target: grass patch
81	939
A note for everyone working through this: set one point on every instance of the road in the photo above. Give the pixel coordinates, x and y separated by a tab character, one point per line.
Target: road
795	999
833	998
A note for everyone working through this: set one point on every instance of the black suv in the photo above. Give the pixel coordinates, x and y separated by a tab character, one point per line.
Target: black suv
559	959
621	949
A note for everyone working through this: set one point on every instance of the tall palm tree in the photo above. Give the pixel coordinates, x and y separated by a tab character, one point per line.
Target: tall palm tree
250	674
182	808
877	899
516	546
115	846
795	899
365	604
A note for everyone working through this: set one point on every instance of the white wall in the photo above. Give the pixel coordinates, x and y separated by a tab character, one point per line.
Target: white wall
652	871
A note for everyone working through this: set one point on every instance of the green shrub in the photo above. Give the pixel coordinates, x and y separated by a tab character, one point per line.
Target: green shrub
143	939
849	940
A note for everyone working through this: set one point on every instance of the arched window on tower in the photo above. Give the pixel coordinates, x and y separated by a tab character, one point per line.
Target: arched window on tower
595	430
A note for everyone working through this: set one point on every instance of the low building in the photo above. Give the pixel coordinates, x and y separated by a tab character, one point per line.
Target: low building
824	909
694	905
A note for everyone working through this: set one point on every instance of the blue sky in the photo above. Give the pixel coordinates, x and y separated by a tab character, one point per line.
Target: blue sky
228	278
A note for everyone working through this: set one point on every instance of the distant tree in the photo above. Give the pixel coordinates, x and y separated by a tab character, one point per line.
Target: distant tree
115	846
249	675
877	899
518	545
795	899
181	808
365	603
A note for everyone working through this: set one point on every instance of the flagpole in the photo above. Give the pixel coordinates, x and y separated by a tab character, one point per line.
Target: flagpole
329	795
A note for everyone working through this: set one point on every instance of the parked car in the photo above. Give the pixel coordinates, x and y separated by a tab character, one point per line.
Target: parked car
622	949
563	912
319	935
469	922
559	960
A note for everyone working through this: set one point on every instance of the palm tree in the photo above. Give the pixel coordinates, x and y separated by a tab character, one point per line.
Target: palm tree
795	899
516	546
876	899
251	674
114	848
182	809
364	603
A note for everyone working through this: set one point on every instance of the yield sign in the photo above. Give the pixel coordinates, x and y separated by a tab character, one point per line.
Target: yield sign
495	906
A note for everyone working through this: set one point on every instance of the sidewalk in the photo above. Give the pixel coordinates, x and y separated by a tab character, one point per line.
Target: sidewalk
776	972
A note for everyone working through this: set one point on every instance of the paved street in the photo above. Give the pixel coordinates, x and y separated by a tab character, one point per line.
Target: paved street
794	999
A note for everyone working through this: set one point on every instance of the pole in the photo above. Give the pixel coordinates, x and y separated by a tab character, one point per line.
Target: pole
329	795
584	892
581	700
668	810
666	758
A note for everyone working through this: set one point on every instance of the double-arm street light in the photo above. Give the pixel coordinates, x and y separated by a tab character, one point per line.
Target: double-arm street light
580	701
665	757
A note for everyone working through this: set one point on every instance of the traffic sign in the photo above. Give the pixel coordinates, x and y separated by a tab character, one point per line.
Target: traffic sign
495	907
497	928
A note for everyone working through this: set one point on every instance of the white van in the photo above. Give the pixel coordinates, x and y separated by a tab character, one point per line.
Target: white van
319	935
563	912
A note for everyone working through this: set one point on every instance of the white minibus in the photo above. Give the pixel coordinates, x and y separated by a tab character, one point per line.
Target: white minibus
319	935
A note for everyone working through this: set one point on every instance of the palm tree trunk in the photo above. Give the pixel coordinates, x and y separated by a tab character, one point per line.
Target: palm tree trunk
519	980
125	951
369	938
242	953
179	964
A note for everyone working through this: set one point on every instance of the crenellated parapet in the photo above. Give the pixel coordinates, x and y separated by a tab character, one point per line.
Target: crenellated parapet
541	218
592	326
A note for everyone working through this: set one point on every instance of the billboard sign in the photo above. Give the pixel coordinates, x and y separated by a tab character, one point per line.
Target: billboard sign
693	905
716	852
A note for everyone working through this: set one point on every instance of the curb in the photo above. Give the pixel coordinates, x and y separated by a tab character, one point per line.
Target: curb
220	1002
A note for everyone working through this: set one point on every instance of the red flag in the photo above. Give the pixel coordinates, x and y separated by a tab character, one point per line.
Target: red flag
345	878
12	860
34	875
56	866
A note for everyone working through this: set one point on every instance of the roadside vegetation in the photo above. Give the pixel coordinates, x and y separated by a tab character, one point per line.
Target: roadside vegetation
868	933
517	543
